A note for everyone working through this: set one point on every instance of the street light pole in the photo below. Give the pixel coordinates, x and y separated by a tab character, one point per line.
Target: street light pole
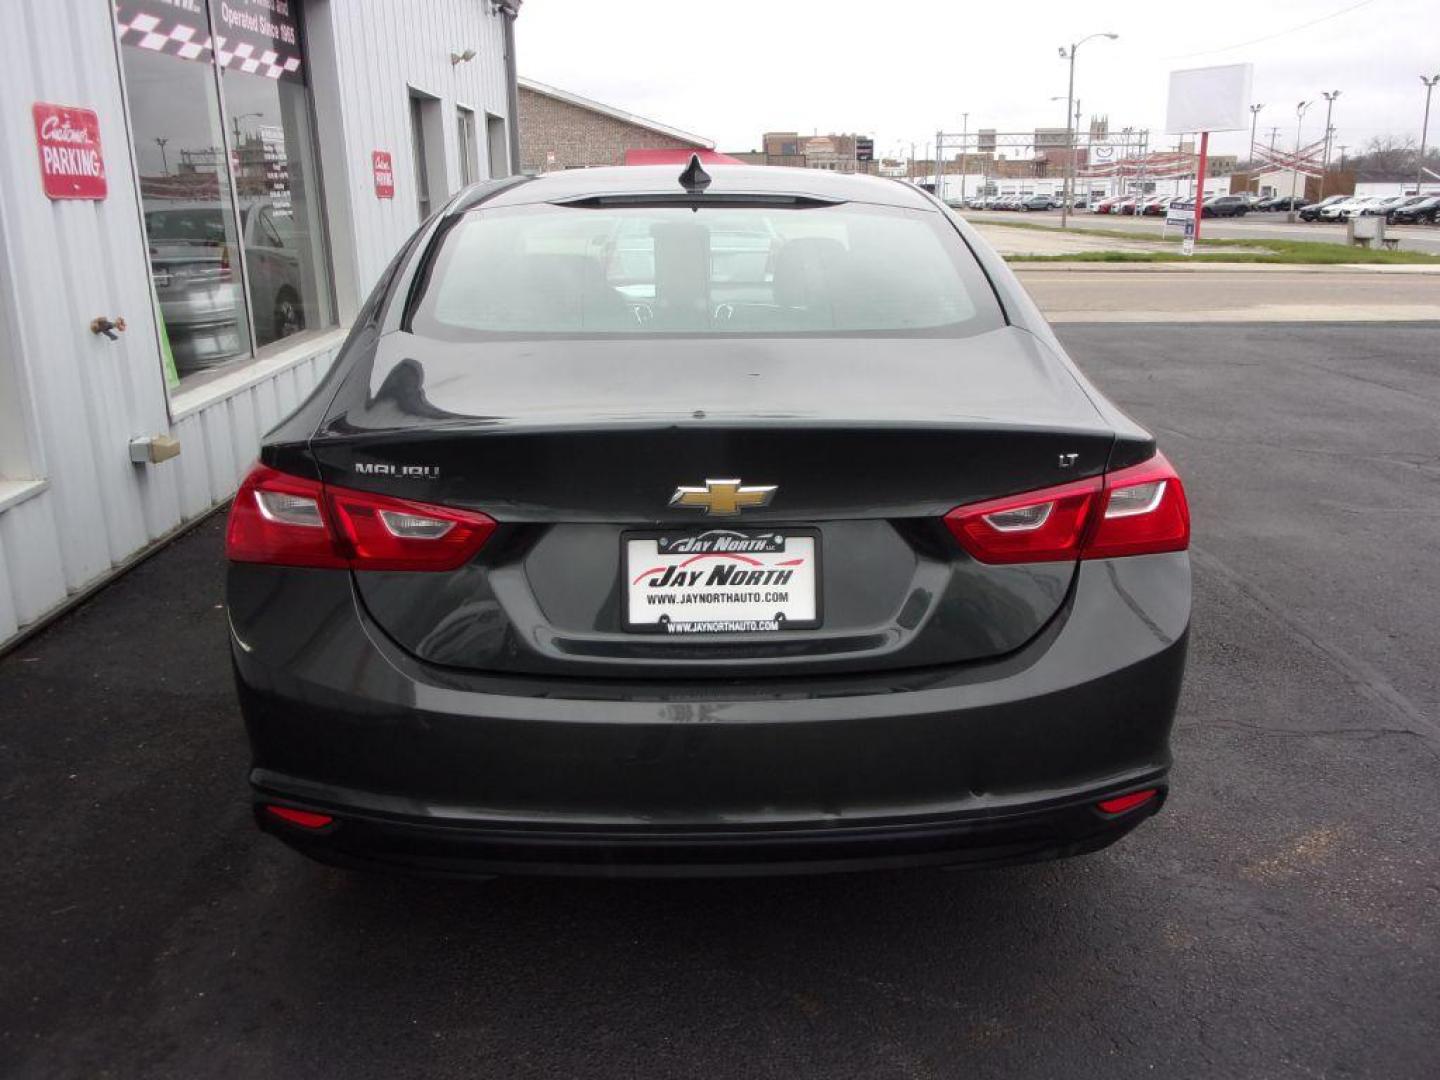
1254	116
964	153
1068	187
939	168
1424	130
164	163
1329	96
1295	165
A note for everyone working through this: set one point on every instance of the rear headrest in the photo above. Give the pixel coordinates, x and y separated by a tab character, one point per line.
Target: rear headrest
805	269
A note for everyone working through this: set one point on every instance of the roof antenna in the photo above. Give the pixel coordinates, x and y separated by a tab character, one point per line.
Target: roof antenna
694	179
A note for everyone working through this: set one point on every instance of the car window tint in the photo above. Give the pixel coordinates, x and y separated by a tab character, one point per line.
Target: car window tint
546	269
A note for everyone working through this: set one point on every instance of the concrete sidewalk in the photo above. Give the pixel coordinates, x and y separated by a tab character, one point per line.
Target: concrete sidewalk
1011	241
1085	292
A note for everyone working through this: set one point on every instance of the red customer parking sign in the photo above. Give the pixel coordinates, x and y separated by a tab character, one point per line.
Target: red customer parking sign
384	174
68	140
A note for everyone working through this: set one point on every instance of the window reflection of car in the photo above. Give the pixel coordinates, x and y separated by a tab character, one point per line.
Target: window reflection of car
193	264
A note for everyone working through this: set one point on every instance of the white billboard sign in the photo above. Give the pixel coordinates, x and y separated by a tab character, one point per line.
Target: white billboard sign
1209	99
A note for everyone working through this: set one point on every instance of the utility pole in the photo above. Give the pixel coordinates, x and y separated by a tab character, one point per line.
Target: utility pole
1329	96
1343	148
1424	130
1295	166
964	153
912	162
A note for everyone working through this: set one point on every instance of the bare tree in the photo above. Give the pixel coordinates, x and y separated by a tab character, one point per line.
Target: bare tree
1389	157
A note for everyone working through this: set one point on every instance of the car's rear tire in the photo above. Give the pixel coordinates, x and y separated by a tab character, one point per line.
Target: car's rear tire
288	317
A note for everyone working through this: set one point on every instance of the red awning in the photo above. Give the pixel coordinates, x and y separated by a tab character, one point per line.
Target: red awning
678	157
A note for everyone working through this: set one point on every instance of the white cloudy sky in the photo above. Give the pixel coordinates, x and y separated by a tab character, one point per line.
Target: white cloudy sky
900	69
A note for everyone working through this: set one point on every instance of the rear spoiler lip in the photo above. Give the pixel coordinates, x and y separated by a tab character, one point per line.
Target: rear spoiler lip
599	200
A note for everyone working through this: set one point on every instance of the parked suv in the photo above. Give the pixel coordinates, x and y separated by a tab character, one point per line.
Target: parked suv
1225	206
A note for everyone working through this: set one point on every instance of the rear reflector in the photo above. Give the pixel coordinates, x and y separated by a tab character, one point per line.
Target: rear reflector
1136	511
1121	803
304	818
289	520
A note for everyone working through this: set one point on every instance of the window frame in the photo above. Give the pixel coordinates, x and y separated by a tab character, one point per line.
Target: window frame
467	144
417	315
328	302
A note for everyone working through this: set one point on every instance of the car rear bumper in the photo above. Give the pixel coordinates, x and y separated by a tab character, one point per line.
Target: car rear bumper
365	837
435	770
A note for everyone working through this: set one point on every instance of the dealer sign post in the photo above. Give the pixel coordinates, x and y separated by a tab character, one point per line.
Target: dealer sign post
71	163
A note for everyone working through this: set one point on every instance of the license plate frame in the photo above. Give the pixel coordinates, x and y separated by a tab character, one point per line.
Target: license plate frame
696	628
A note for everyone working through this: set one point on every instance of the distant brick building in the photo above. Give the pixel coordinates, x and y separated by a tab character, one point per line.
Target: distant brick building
561	130
834	152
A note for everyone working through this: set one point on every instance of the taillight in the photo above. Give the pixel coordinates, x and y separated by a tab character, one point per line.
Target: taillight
1136	511
280	519
1144	513
289	520
381	533
1039	526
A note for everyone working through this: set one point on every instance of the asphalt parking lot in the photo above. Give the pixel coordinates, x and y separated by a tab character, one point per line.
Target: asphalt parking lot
1281	918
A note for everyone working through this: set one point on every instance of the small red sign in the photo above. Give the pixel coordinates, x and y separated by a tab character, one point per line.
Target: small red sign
384	174
71	163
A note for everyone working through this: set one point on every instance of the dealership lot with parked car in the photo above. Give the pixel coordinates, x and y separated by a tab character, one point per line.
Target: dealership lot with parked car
1285	898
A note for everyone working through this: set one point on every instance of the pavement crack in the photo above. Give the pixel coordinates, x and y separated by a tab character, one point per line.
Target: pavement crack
1352	734
1365	676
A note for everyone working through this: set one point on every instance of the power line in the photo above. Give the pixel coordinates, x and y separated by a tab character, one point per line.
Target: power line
1272	37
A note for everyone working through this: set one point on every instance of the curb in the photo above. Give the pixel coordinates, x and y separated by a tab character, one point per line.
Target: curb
1024	266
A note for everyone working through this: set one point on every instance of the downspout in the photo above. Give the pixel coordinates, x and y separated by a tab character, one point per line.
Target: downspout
510	11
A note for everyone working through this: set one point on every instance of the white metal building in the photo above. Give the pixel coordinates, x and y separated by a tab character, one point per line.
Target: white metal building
227	178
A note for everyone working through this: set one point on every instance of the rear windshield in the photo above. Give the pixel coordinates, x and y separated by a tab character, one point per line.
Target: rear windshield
638	270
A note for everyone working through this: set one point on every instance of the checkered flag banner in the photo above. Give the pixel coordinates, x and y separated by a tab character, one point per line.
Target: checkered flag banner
176	34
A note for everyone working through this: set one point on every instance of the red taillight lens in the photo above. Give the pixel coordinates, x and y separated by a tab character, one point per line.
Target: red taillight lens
1121	803
280	519
1039	526
306	819
381	533
288	520
1136	511
1144	512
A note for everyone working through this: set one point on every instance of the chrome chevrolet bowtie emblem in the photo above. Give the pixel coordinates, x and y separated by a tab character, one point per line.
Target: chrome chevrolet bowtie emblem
723	498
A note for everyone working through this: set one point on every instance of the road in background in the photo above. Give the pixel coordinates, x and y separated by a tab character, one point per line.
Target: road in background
1280	918
1424	238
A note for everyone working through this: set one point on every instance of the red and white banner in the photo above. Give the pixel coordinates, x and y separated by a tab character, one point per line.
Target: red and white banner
1162	165
71	163
1309	161
384	171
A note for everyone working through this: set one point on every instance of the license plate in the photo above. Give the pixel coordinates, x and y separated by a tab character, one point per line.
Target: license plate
722	581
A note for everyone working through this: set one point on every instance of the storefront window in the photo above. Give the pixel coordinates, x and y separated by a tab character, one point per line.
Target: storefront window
227	175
